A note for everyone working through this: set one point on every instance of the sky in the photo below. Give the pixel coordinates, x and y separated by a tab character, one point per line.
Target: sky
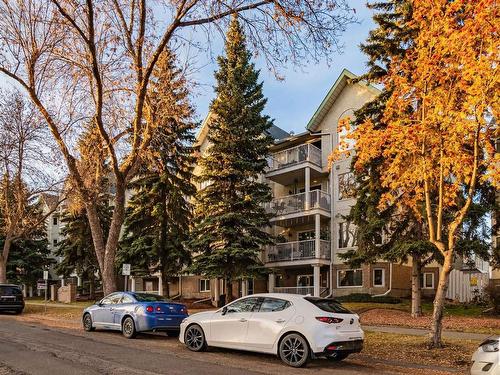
292	101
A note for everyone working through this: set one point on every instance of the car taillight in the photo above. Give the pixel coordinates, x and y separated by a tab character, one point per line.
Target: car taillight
149	309
158	308
329	319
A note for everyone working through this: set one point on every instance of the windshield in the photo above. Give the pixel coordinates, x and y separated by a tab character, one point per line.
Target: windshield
10	291
328	305
146	297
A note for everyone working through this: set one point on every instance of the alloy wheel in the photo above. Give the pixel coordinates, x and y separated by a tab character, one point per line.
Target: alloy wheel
128	328
194	338
294	350
87	323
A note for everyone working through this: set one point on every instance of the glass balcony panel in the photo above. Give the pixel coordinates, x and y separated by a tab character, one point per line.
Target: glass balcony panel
295	155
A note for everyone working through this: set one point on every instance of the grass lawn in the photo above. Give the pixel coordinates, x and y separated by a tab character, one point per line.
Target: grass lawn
465	310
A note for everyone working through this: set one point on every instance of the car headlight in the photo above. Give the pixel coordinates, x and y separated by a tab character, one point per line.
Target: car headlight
489	346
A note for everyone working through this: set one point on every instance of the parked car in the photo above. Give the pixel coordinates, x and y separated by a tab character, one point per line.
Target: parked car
131	313
486	359
294	327
11	298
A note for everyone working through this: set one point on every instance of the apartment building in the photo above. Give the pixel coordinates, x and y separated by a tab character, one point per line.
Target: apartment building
311	200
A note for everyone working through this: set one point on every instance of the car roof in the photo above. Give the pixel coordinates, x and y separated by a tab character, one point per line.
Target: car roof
287	296
17	286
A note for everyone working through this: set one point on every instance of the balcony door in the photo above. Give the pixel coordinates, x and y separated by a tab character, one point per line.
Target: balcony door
305	280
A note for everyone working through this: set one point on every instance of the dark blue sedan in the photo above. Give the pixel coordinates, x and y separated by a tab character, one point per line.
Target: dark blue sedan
131	313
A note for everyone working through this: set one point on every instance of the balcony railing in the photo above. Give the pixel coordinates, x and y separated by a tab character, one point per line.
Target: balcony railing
298	250
295	155
303	290
297	203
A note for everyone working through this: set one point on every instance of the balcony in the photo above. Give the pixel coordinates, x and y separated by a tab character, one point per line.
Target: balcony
296	203
285	166
298	250
302	290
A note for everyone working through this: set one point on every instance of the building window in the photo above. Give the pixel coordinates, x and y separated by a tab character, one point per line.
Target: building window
55	241
378	277
427	280
205	285
348	235
347	186
54	220
349	278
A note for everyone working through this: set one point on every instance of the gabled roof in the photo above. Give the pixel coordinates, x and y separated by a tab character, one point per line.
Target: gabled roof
277	133
332	95
274	131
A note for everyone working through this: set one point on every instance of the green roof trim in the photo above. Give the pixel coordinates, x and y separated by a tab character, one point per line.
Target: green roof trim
320	113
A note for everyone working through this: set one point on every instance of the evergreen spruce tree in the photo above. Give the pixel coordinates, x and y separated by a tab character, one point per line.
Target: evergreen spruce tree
230	217
159	213
29	255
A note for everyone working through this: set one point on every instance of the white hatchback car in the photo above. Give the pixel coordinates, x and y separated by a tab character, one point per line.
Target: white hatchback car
486	359
294	327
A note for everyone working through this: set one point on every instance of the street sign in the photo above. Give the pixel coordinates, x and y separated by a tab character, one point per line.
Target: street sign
126	269
41	285
45	275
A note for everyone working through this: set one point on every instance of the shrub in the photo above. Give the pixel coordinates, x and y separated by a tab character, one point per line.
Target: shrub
365	297
493	293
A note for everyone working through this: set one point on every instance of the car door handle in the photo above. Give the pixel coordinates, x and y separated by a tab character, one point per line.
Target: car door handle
111	309
243	320
280	320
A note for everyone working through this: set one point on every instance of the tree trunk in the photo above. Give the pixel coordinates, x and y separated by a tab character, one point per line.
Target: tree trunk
4	257
229	290
3	270
437	315
166	286
91	286
106	250
416	291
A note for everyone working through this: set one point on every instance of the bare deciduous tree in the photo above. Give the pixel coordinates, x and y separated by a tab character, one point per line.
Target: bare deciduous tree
22	168
82	61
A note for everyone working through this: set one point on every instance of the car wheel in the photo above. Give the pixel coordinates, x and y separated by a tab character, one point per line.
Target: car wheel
294	350
173	332
337	356
194	338
128	328
87	323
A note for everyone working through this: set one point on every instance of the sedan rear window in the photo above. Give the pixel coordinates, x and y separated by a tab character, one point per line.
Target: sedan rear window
10	291
328	305
146	297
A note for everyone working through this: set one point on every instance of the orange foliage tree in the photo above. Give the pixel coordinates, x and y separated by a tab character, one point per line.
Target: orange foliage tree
438	129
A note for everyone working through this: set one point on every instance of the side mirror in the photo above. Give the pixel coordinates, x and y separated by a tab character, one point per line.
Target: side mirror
224	310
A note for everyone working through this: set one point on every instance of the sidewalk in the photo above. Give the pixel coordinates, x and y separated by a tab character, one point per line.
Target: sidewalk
423	332
54	304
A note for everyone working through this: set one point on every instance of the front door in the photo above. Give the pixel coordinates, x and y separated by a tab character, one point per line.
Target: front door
121	308
267	323
105	312
229	325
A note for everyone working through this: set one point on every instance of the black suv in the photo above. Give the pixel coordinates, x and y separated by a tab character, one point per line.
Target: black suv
11	298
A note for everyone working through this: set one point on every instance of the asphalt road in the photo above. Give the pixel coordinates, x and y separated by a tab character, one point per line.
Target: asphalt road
31	348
